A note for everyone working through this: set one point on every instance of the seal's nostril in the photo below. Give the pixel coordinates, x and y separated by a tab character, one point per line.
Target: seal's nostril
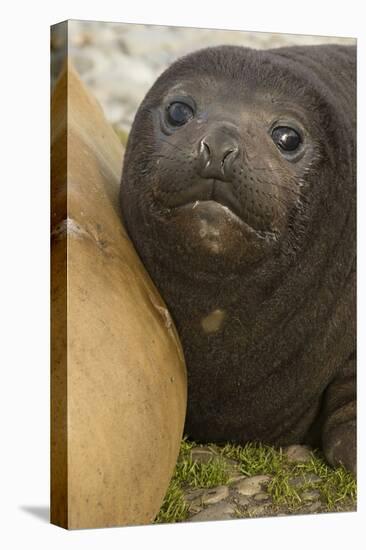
226	154
216	155
205	149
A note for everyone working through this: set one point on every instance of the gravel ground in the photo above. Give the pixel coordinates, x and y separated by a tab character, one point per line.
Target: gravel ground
119	62
258	483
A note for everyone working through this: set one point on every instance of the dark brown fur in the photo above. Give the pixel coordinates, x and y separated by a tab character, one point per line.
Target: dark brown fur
281	366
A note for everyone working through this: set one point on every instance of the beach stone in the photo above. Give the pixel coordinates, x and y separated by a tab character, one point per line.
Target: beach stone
235	478
314	507
203	455
217	494
252	485
232	465
298	453
194	508
83	64
82	39
301	480
192	495
310	495
242	500
258	510
260	497
221	510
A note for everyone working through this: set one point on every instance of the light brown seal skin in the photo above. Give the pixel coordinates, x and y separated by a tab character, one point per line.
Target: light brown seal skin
118	379
238	191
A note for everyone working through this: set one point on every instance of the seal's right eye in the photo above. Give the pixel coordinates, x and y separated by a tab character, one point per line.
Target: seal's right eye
179	113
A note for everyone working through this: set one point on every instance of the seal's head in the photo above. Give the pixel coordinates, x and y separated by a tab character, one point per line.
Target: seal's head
219	164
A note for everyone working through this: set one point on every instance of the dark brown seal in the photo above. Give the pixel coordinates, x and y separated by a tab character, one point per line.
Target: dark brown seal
238	191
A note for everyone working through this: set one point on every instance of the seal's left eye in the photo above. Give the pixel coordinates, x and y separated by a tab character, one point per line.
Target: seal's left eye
179	113
286	138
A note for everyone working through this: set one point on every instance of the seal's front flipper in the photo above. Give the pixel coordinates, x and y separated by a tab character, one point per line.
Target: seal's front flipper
339	430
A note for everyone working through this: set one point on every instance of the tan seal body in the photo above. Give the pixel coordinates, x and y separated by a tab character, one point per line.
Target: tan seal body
118	374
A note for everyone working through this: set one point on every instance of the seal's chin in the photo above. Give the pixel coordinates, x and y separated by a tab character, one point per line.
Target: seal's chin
210	228
218	214
218	208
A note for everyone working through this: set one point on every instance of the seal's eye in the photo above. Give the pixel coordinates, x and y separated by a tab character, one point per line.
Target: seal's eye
286	138
179	113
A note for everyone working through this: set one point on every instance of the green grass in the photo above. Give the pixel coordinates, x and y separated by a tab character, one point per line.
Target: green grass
254	459
336	486
174	507
189	473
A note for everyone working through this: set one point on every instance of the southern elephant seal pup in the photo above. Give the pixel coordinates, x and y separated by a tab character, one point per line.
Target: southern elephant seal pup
238	191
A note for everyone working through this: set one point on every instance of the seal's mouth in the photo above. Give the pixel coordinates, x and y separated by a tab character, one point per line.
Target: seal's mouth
216	199
217	210
204	192
222	194
213	203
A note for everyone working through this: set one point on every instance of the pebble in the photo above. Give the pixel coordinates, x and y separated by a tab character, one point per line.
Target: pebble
260	497
301	480
310	495
217	494
236	477
252	485
298	453
195	506
260	510
314	507
242	500
222	510
203	455
193	494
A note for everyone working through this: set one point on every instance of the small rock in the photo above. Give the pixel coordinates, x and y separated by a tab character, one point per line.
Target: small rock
212	496
235	478
252	485
301	480
195	506
298	453
260	497
260	510
82	64
193	494
310	495
203	455
242	500
314	507
311	478
222	510
82	39
233	464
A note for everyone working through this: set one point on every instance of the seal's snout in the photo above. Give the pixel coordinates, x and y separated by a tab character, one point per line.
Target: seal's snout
217	152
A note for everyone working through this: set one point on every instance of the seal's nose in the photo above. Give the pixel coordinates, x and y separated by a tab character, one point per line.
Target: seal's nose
217	151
